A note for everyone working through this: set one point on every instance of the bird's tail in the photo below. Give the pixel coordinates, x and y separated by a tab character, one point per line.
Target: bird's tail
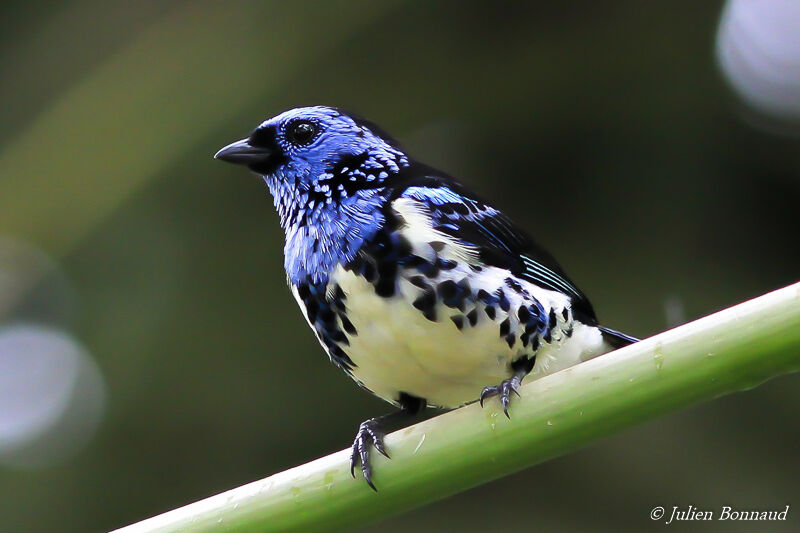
616	339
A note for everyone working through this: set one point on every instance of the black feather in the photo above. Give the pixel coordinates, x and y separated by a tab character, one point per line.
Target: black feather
615	338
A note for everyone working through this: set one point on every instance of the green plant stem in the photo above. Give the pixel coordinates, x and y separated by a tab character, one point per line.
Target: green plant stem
732	350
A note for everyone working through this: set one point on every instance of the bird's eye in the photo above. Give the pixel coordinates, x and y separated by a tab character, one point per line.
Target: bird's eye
302	132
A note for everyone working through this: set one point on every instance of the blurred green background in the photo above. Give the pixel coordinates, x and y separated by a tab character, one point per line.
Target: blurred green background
606	129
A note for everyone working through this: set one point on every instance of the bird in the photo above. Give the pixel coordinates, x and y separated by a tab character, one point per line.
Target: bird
422	292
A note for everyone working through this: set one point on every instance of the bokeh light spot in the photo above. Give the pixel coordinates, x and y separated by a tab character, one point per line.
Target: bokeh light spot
758	48
51	396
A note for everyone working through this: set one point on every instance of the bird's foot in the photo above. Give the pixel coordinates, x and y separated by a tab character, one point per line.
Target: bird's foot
369	434
504	390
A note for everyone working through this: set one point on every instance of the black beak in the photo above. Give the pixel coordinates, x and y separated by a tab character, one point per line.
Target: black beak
243	153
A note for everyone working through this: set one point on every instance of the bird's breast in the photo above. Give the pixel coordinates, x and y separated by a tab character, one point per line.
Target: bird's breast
419	316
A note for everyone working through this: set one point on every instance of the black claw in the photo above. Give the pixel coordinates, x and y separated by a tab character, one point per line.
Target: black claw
381	448
504	390
354	455
489	392
368	435
365	468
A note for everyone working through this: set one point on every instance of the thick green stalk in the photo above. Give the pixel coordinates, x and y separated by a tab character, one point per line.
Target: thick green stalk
732	350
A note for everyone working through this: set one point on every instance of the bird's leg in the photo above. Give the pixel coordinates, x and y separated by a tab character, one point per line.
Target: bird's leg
505	388
371	433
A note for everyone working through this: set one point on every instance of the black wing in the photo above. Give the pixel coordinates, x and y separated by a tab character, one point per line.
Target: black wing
459	213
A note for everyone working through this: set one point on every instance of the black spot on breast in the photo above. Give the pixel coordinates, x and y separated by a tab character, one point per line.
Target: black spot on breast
347	325
452	294
426	301
505	327
534	343
553	319
338	336
447	289
437	246
431	270
387	275
419	281
502	301
341	358
389	251
458	321
490	312
511	339
472	316
339	294
338	298
523	313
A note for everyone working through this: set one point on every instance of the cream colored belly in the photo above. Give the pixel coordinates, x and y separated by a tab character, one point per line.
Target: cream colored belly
398	350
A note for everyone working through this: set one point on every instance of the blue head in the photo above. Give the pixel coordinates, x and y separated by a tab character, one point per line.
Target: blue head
328	174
